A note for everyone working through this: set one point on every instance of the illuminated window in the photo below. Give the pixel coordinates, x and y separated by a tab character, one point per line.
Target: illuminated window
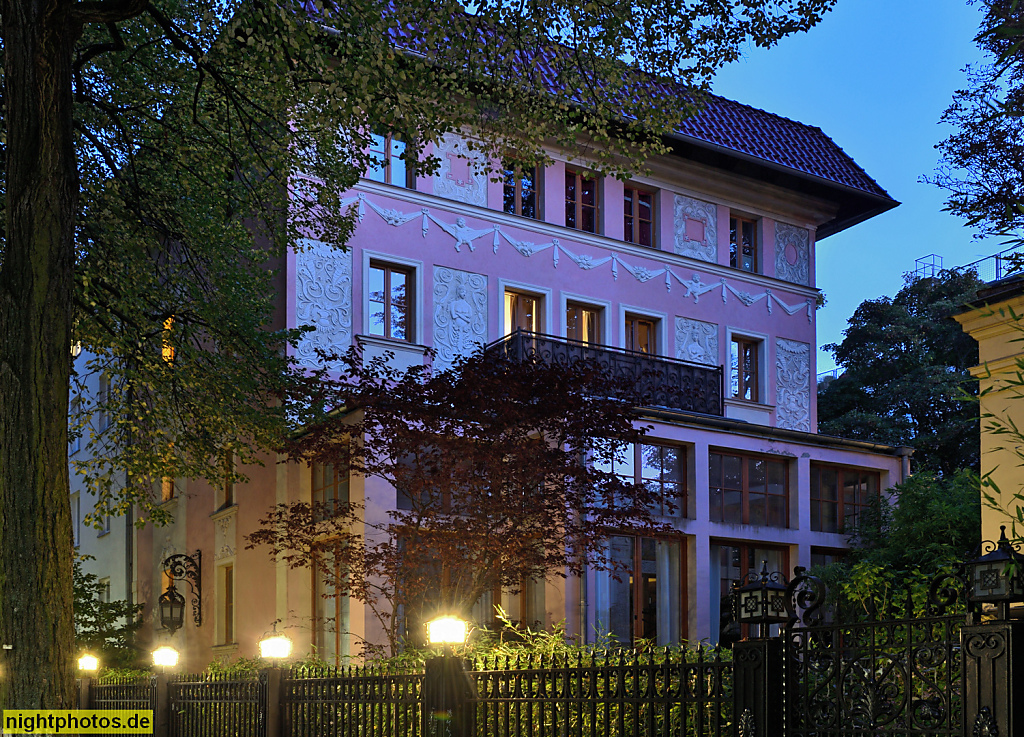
640	334
583	323
522	312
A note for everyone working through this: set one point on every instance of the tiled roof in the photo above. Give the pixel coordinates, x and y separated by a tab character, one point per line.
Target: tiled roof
777	140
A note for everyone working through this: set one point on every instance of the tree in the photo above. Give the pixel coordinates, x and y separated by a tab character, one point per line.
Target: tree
982	162
102	627
158	153
930	525
504	474
906	367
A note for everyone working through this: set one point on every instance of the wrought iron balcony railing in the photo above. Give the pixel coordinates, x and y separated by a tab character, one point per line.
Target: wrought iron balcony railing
655	381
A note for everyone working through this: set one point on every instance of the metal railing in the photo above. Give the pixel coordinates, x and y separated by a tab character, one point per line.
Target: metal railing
653	381
998	265
616	694
339	702
214	705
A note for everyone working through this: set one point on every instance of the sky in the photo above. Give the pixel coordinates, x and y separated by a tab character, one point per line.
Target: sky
876	76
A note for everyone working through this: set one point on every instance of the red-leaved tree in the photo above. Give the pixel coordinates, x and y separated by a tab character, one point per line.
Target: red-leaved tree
502	475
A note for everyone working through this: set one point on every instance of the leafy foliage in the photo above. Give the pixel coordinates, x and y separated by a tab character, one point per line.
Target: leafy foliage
498	467
906	374
932	524
104	628
982	162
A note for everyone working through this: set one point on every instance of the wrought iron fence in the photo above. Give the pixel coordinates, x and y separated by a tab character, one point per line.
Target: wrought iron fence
653	381
890	677
344	702
122	692
616	694
215	705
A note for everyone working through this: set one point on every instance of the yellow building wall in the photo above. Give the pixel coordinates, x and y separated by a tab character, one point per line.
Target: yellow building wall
999	330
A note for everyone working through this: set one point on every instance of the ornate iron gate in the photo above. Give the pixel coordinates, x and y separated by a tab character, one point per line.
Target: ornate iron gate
880	676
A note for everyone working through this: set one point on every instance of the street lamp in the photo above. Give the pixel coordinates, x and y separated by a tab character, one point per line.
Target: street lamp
448	631
997	577
165	656
88	663
274	646
448	691
762	599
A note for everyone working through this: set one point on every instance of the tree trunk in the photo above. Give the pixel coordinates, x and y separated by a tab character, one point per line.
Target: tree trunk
36	286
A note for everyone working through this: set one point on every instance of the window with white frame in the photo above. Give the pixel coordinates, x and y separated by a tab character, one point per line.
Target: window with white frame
390	300
523	312
583	322
640	334
743	248
388	164
745	368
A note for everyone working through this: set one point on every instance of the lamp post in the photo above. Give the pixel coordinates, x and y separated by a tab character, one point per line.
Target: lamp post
88	664
448	690
759	599
165	657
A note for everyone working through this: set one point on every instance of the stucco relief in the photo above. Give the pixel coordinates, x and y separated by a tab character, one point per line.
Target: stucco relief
323	299
793	384
696	341
792	253
696	228
460	313
462	175
224	537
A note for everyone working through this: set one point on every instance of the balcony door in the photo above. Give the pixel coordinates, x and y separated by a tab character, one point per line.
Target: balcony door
522	312
640	334
583	323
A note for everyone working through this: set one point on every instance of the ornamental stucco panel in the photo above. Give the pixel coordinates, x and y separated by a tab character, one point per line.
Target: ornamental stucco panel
462	174
696	229
696	341
792	384
323	299
460	313
792	253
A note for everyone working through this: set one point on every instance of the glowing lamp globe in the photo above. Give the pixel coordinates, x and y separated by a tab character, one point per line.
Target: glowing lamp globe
275	647
165	657
88	663
447	631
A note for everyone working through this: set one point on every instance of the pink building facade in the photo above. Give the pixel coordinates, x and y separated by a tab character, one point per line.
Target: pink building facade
708	259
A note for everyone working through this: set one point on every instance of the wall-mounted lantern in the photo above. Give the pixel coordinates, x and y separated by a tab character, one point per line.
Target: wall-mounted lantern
997	577
171	603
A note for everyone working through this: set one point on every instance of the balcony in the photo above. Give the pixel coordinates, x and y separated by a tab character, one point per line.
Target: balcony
656	381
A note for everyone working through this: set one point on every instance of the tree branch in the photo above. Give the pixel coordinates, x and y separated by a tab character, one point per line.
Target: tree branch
107	11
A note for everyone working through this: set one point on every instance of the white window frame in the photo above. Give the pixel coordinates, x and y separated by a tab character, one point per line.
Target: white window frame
418	318
220	591
762	364
543	293
661	334
605	306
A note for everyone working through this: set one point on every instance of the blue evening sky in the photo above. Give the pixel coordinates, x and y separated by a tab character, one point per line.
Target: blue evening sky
876	76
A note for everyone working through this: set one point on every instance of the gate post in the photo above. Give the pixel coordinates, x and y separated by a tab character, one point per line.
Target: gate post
449	708
161	705
757	687
993	679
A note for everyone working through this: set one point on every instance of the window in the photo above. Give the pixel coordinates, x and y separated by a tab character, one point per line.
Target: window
228	604
638	217
662	470
76	518
387	165
228	488
639	334
525	607
103	592
839	495
730	563
330	487
390	301
74	430
522	312
745	364
102	399
580	201
748	490
332	615
520	191
825	557
166	488
647	599
583	322
743	244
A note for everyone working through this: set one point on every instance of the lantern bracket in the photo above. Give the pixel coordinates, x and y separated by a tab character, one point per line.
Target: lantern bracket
189	568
